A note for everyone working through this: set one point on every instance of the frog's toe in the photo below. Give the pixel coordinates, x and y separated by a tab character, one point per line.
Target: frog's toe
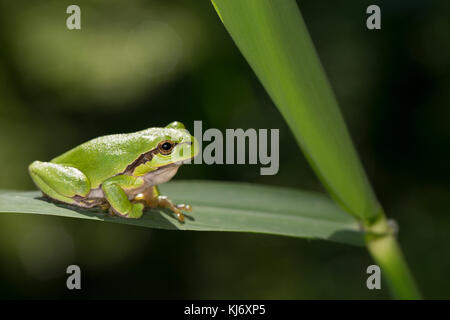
179	214
184	207
177	211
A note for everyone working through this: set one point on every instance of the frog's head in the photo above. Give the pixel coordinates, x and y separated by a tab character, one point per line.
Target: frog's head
175	145
171	146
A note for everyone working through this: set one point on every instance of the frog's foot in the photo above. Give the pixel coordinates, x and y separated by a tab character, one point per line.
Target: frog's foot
164	202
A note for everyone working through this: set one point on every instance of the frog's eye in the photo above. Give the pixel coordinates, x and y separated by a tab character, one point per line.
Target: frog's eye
166	147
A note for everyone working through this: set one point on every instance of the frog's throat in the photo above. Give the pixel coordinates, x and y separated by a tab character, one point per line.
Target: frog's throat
161	174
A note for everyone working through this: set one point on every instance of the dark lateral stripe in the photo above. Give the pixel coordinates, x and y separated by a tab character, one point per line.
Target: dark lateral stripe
143	158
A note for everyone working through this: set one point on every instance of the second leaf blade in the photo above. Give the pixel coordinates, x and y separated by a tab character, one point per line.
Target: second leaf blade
273	38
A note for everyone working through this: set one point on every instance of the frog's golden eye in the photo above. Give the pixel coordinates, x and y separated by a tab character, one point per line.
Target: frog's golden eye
166	147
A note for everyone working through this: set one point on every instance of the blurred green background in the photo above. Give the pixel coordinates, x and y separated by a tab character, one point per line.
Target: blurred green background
137	64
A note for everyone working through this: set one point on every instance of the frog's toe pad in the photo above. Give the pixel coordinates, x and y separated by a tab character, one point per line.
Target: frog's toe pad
184	207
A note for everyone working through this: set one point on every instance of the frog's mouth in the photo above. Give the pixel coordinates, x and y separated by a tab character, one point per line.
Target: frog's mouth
185	150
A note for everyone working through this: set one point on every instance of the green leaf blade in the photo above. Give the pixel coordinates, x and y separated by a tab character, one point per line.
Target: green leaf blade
274	40
220	206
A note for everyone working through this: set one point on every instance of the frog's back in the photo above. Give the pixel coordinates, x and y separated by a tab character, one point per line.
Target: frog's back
106	156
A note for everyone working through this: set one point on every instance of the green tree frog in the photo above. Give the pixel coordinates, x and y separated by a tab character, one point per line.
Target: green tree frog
120	172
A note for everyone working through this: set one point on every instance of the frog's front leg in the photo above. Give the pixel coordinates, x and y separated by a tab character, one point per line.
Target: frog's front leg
154	199
115	192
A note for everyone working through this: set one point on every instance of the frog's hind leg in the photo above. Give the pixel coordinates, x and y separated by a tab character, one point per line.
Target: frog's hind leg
60	182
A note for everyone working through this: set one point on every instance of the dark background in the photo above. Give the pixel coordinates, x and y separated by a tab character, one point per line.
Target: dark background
138	64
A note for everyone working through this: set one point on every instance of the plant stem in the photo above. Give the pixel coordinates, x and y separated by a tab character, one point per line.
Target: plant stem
386	252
